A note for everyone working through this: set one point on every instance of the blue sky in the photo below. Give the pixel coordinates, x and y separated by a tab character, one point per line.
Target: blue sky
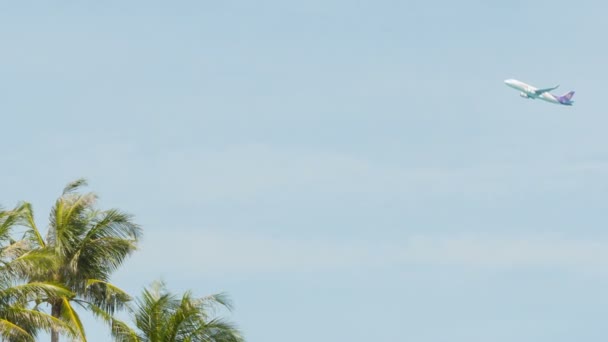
345	170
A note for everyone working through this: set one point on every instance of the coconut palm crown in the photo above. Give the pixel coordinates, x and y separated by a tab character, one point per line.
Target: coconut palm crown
89	244
20	317
161	316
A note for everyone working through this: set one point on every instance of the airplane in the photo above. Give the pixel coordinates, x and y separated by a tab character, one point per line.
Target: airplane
529	92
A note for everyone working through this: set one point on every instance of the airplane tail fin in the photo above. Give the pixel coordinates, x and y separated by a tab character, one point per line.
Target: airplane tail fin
569	95
566	98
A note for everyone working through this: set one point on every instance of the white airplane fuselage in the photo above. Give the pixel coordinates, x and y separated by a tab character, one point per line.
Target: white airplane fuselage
530	92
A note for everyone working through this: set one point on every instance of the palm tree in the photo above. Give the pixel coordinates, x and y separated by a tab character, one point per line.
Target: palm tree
19	321
20	318
89	244
164	317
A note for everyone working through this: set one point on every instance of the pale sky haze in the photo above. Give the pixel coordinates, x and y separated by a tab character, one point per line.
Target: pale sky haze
345	170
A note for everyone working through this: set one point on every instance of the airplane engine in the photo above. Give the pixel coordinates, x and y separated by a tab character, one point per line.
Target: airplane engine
524	95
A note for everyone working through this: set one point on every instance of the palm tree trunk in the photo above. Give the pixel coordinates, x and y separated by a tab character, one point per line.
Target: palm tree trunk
55	312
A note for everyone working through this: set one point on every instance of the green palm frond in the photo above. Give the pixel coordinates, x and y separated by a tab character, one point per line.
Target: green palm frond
13	332
151	314
114	223
74	185
120	330
8	220
70	220
13	250
34	291
22	215
218	330
101	257
71	316
215	300
19	322
165	317
31	320
33	264
105	295
27	220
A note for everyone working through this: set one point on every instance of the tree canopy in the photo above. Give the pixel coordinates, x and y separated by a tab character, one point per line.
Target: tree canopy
42	277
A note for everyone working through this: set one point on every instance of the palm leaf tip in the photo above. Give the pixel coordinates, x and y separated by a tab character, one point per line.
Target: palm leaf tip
74	185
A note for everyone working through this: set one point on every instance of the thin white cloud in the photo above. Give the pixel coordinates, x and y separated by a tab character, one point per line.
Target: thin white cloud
250	171
495	251
218	253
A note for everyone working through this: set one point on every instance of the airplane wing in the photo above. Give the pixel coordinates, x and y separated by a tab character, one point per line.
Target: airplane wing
542	91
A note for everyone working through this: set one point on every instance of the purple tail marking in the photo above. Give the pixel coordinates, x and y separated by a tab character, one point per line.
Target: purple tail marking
566	99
